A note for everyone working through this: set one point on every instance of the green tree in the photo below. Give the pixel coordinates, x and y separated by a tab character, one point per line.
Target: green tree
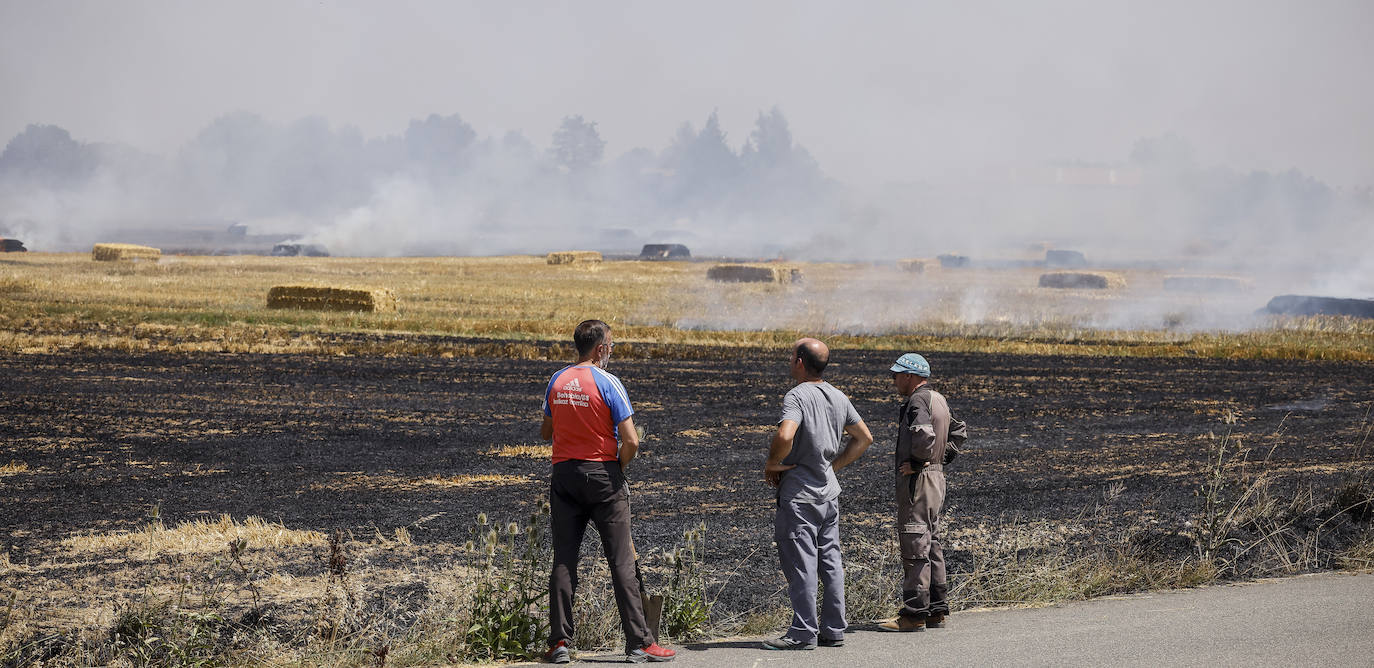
576	144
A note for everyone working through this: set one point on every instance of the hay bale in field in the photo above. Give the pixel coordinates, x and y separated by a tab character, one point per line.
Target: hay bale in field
913	265
753	273
950	261
1082	279
1065	258
297	250
574	257
322	298
664	252
1309	305
116	252
1205	283
12	246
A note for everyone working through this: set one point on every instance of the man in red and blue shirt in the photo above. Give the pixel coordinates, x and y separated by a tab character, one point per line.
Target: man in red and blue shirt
588	416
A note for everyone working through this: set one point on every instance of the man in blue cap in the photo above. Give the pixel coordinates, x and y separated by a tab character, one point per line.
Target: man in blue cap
925	429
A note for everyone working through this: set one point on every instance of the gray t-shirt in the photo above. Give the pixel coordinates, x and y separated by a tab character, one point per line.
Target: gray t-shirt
822	412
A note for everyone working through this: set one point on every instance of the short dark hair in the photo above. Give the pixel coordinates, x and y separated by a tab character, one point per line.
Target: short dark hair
813	363
588	335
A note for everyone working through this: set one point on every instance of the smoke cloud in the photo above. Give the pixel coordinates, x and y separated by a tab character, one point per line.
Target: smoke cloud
1228	139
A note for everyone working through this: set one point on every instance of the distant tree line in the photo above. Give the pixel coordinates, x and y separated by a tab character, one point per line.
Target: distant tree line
440	180
1223	200
242	166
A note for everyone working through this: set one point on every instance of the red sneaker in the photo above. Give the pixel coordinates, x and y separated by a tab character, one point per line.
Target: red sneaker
653	654
559	653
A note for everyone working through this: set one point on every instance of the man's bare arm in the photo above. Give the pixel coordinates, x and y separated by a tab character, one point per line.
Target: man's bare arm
629	442
546	429
778	451
859	440
782	443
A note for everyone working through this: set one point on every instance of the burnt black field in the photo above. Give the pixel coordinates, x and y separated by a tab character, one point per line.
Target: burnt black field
334	442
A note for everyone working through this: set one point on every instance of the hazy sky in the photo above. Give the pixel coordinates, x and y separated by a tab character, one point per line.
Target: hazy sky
878	91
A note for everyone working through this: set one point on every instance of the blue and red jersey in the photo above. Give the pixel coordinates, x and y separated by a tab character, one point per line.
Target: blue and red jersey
586	405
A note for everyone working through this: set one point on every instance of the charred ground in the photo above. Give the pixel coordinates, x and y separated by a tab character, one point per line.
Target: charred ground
97	439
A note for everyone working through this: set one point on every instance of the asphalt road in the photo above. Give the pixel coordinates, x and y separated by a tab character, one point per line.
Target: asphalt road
1315	620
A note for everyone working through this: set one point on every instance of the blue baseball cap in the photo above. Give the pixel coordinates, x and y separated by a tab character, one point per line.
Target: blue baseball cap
912	363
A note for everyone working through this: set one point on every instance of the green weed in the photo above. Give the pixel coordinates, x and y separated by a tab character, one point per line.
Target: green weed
686	609
509	606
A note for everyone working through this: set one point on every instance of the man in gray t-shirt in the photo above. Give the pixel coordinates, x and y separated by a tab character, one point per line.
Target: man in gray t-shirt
802	460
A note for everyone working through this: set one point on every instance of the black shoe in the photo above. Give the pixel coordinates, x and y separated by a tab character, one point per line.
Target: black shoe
935	622
830	642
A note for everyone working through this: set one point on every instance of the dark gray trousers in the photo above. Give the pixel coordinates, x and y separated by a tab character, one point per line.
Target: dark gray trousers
582	491
808	536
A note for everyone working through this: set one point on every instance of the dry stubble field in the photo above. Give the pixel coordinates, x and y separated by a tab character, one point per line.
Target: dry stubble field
124	450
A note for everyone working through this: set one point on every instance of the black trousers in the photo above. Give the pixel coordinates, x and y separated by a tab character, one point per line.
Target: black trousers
581	491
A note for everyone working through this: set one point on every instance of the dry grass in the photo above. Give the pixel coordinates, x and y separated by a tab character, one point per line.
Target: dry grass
359	482
574	257
523	451
13	285
214	304
117	252
197	536
323	298
15	466
1360	557
69	608
470	480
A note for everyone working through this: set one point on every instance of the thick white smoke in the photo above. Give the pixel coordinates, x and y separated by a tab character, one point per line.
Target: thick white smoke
437	189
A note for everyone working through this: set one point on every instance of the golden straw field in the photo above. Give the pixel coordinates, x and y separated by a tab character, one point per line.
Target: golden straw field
52	302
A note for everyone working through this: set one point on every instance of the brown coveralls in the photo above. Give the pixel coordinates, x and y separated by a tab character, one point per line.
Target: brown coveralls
923	428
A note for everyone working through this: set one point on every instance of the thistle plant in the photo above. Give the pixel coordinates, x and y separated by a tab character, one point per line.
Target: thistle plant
508	616
686	608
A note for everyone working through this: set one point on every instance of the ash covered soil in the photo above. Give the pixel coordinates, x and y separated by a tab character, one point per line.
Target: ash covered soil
97	439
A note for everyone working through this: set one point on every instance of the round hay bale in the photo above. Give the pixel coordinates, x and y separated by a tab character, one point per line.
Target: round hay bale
1310	305
1082	280
299	250
664	252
